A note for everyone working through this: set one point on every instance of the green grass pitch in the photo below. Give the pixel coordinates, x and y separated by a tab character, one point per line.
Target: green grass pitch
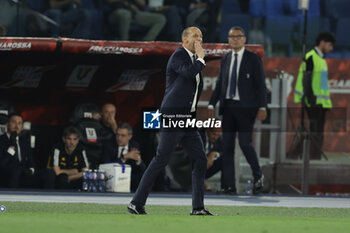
23	217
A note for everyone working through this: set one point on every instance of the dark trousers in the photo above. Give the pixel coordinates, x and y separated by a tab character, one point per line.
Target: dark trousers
217	166
63	183
15	177
193	145
317	117
237	118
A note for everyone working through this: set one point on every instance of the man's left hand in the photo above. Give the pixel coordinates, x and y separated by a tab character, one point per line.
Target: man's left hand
261	114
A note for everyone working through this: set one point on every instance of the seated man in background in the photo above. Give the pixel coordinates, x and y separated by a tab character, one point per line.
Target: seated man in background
212	142
109	123
127	12
17	167
69	160
69	12
124	150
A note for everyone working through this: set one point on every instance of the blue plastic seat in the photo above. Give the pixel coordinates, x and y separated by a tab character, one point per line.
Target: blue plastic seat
336	8
257	8
314	27
342	32
230	7
274	8
230	20
279	29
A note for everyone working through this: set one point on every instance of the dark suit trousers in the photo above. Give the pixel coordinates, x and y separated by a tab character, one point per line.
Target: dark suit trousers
237	118
193	145
317	116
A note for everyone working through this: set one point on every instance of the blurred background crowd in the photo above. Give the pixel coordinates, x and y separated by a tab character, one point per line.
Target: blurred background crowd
277	24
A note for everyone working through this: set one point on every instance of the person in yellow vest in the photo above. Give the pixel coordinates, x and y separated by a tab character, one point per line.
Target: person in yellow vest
313	92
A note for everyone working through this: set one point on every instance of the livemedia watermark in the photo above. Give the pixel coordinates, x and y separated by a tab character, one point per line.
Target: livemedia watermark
157	120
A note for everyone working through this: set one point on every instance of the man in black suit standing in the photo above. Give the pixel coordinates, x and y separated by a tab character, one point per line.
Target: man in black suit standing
125	150
241	90
183	87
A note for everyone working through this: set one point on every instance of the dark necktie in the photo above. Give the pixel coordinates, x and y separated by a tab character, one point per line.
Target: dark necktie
194	58
121	153
233	78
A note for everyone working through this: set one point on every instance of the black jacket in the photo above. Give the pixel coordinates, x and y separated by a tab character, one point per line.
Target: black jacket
8	160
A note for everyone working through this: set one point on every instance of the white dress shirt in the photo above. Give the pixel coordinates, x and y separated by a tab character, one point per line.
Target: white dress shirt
125	150
194	102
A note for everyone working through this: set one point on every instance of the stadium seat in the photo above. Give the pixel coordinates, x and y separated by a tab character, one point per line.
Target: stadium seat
82	111
336	8
92	137
274	8
314	27
230	7
257	8
343	33
279	31
229	20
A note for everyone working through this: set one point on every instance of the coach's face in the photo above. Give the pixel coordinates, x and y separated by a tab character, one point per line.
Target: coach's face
194	34
236	39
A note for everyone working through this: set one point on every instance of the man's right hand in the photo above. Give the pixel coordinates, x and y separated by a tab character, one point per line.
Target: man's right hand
199	49
133	154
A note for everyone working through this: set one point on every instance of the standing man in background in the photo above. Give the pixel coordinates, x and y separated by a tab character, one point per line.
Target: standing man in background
313	92
241	90
184	85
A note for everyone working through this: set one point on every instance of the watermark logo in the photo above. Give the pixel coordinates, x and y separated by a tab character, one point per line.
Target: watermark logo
2	208
151	120
157	120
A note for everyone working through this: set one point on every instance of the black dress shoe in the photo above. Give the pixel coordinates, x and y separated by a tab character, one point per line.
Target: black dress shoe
258	185
201	212
134	209
227	191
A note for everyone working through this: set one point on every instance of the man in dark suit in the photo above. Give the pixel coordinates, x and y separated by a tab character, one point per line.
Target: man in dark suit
183	87
17	167
241	90
125	150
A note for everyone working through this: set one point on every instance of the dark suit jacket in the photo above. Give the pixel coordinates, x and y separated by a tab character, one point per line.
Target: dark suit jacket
7	160
181	83
110	154
251	81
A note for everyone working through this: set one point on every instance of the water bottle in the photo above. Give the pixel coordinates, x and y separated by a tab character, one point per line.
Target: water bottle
94	181
249	188
101	181
90	180
85	180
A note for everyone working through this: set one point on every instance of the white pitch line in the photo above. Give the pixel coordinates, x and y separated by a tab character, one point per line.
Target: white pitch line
181	200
